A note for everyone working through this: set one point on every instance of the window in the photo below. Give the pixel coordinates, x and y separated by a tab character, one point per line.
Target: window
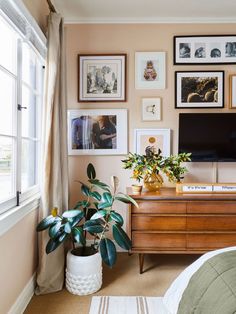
21	82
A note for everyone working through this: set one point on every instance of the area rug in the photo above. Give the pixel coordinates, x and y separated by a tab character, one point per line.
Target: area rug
127	305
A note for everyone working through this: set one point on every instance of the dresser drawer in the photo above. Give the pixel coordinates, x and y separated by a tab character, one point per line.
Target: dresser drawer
160	207
158	223
158	240
210	241
212	223
209	207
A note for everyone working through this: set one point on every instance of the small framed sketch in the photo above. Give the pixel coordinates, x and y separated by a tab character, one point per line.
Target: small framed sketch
102	78
150	70
195	89
159	138
205	49
151	109
232	91
97	132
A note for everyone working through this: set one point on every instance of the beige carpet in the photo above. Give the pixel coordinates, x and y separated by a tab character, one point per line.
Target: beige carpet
122	280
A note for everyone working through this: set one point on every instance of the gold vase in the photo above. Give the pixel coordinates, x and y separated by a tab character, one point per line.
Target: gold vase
153	182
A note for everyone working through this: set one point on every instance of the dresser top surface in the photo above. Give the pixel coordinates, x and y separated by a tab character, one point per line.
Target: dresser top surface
170	194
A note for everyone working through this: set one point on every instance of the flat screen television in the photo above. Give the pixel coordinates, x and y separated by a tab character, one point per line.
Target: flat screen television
208	136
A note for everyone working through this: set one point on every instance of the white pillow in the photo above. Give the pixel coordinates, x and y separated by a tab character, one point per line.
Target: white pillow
174	294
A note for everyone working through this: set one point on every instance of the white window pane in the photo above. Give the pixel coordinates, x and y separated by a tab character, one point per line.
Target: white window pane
28	65
29	114
7	180
28	164
7	103
8	46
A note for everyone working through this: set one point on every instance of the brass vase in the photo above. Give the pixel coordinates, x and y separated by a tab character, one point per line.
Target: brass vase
153	182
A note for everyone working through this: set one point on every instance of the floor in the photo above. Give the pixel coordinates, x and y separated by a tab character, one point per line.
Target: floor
122	279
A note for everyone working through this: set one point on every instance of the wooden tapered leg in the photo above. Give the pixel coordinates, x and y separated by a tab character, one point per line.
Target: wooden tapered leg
141	262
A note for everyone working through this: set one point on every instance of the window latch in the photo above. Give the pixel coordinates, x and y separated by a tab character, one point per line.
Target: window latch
19	107
18	198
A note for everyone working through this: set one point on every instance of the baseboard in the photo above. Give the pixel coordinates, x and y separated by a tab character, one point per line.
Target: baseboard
24	298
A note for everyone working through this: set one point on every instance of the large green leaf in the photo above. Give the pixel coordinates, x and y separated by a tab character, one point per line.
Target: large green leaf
104	205
77	219
94	226
78	235
54	230
107	197
125	199
91	173
85	190
100	184
96	195
117	218
89	213
45	223
108	251
67	227
71	213
121	237
52	245
99	214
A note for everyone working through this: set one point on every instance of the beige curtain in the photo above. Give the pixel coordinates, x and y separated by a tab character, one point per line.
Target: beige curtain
50	277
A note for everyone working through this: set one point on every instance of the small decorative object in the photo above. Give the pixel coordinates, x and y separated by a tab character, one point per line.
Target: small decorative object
158	138
150	70
102	78
232	91
205	49
195	89
97	132
136	188
149	166
151	109
95	216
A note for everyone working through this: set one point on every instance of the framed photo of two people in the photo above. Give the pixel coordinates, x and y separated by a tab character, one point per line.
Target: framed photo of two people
97	132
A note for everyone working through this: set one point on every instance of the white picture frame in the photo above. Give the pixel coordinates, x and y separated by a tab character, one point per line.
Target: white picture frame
159	138
150	70
97	132
151	109
232	91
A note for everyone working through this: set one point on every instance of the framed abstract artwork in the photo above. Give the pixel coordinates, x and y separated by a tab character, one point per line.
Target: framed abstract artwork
158	138
205	49
97	132
102	78
150	70
194	89
151	109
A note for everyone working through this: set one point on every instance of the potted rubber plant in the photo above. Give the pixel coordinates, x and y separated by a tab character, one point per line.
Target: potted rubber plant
152	164
94	221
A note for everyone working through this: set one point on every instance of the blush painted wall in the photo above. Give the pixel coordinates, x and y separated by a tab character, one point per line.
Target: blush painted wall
131	38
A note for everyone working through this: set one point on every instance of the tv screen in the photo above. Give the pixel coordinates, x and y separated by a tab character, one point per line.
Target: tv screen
208	136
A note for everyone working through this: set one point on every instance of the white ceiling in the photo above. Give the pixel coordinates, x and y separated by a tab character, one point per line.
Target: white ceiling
146	11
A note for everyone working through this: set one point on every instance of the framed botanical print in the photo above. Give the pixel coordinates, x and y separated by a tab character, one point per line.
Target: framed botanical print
195	89
150	70
97	132
102	78
232	91
158	138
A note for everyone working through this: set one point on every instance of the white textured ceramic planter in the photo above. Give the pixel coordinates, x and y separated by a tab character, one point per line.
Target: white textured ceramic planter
83	273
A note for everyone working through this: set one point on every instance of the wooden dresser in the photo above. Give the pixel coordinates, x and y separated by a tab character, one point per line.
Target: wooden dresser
167	222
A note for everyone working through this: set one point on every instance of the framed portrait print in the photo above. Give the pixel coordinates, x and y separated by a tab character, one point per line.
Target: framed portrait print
159	138
195	89
97	132
232	91
150	70
151	109
102	78
205	49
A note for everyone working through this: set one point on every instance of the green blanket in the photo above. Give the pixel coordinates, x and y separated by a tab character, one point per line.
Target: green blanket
212	289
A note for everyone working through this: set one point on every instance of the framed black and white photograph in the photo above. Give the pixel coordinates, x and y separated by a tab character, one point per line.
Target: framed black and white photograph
196	89
97	132
205	49
158	138
151	109
102	78
150	70
232	91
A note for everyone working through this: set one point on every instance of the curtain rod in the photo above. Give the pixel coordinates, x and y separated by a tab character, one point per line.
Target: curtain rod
51	6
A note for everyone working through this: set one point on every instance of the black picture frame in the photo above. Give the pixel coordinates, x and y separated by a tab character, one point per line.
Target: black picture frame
204	94
204	49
